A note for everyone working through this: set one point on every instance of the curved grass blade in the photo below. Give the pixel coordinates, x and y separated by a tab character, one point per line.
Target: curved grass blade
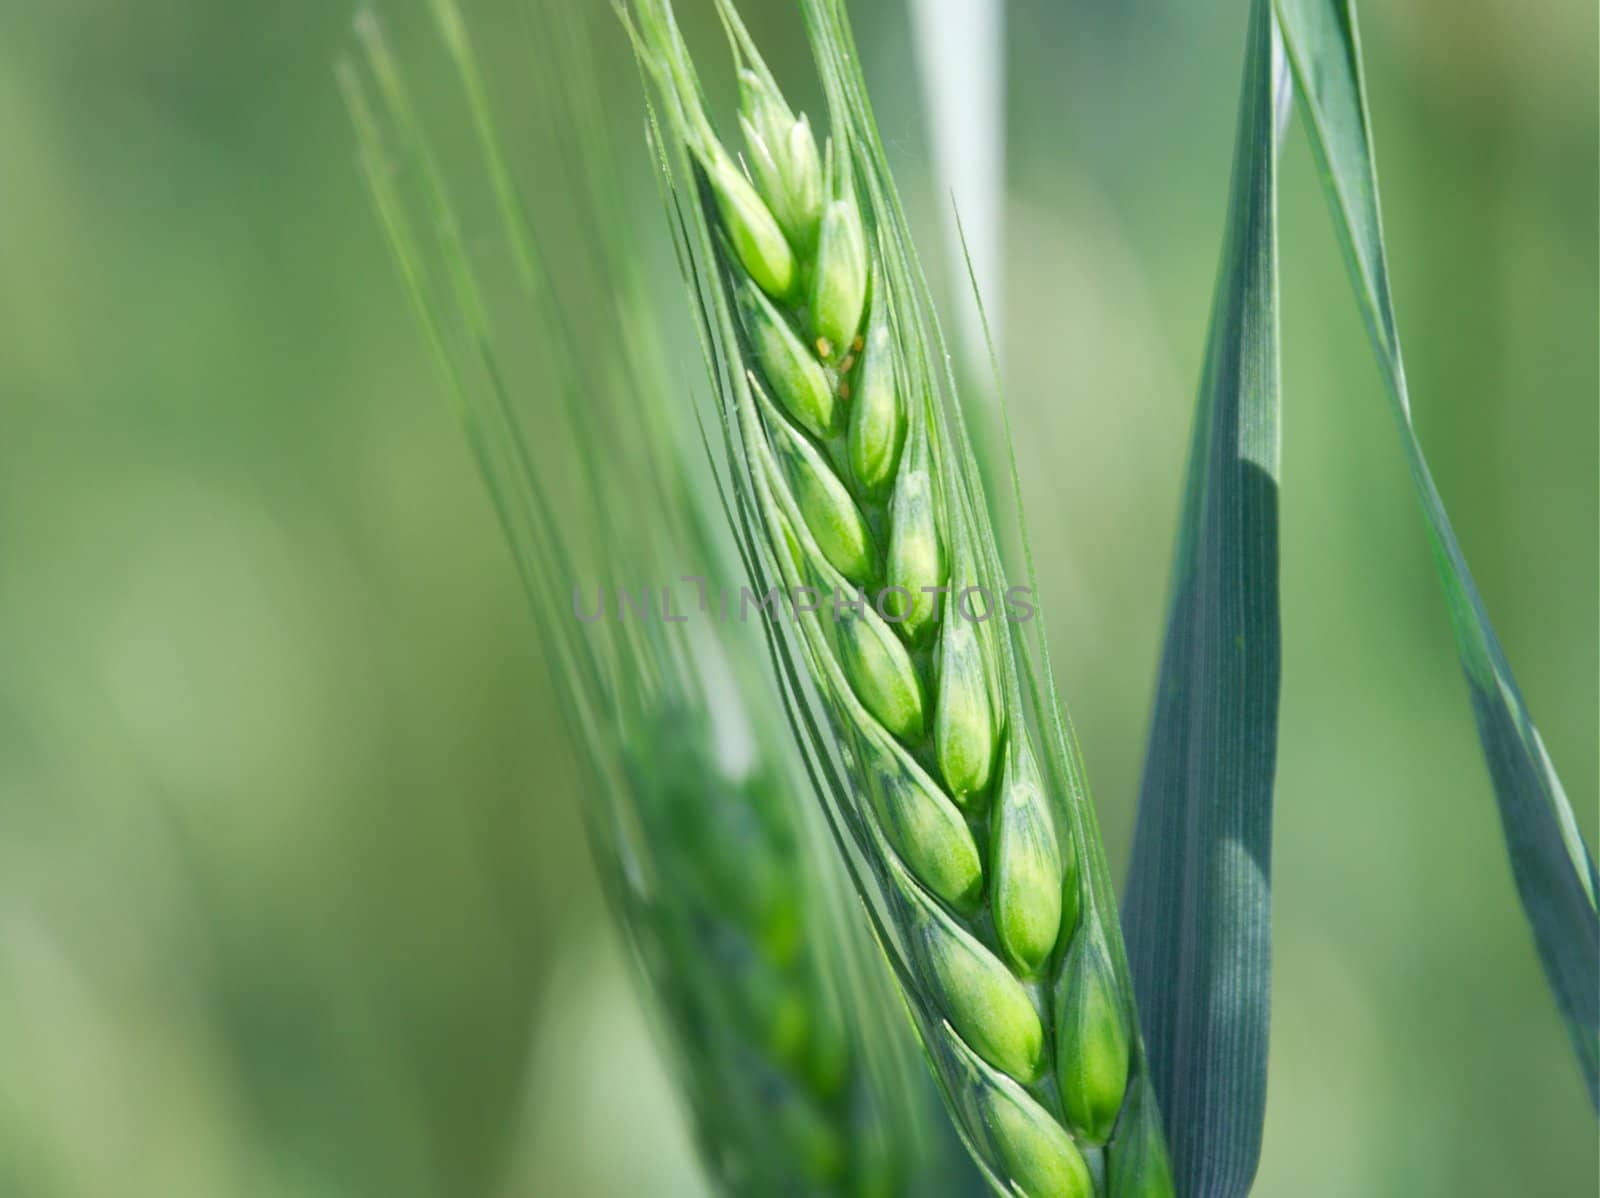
1554	870
1197	915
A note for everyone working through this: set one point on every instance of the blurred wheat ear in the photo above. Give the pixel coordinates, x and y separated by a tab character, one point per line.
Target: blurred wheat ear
792	1063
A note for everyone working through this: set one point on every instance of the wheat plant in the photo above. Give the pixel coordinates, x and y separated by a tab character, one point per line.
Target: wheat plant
949	771
703	846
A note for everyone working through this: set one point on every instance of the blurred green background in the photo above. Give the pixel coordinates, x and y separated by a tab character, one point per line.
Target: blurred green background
293	893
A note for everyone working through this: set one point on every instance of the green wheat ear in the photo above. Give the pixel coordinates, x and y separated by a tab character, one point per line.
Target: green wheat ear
714	872
947	765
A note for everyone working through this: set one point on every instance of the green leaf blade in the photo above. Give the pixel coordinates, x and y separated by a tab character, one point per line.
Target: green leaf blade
1553	869
1197	914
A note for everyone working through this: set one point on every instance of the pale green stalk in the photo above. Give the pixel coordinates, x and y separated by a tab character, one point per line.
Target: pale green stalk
947	767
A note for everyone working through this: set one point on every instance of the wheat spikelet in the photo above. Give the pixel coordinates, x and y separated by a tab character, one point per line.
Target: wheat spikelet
859	499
